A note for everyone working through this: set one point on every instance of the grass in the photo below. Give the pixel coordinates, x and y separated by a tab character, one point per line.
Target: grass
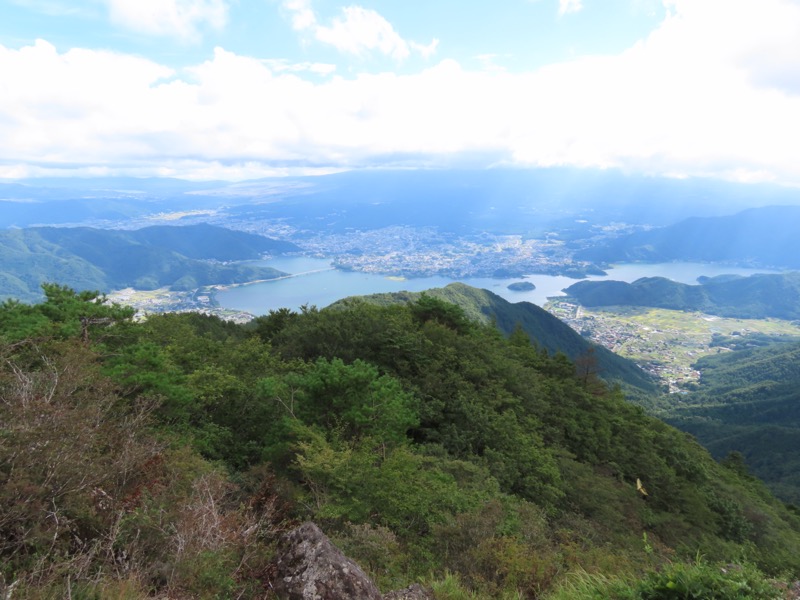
678	581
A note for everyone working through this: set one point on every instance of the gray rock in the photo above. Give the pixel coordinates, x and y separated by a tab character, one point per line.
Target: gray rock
310	567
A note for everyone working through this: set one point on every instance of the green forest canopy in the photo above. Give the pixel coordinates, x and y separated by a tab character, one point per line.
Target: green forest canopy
748	401
168	456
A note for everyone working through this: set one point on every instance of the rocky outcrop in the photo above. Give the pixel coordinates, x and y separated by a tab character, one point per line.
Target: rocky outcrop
310	567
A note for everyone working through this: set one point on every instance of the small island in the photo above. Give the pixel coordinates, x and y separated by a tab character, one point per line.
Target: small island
521	286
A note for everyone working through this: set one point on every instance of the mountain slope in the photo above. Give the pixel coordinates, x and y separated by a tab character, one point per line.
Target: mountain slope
97	259
759	237
207	242
428	445
754	297
748	401
544	329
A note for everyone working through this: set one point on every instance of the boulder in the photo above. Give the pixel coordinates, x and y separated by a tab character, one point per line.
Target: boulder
310	567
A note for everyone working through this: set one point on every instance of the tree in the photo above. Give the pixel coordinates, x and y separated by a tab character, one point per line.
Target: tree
587	370
353	399
64	314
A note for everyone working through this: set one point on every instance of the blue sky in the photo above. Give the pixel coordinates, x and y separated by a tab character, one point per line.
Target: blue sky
245	88
516	34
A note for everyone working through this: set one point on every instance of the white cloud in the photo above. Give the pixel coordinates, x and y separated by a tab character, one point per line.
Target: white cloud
280	65
488	62
702	95
426	50
681	101
566	7
180	18
764	43
72	107
303	17
358	31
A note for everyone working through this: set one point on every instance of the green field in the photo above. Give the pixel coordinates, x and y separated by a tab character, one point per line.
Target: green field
664	342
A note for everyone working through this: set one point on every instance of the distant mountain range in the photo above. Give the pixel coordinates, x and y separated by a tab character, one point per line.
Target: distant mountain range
97	259
527	201
754	297
765	237
545	330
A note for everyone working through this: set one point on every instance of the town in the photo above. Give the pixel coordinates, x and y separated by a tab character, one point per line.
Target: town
665	343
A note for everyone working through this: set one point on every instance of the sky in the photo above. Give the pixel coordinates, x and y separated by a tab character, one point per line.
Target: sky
240	89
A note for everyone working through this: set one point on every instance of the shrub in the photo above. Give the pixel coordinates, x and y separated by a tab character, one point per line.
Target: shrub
677	581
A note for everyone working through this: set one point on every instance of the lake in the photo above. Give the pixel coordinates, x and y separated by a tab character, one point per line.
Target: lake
320	285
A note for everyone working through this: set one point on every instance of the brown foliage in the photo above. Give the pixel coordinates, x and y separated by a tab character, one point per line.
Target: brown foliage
89	495
68	452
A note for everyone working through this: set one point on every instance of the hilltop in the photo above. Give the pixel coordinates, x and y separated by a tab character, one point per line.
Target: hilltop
545	330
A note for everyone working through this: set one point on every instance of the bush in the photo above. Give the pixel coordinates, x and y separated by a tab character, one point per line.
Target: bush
678	581
705	580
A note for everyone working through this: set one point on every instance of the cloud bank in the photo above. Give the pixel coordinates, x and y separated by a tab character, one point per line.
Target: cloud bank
701	96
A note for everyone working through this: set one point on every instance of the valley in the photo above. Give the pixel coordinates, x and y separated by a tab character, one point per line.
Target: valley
732	383
666	343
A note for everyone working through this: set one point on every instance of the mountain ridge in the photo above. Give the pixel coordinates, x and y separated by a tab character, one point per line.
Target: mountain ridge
86	258
762	237
544	330
756	296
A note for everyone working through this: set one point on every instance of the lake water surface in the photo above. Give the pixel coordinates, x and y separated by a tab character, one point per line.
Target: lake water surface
320	285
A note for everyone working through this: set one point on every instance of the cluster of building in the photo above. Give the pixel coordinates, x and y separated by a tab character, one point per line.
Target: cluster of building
164	300
650	348
423	252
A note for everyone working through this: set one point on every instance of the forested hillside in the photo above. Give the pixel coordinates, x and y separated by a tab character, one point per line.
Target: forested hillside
748	401
165	458
148	258
755	297
547	332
